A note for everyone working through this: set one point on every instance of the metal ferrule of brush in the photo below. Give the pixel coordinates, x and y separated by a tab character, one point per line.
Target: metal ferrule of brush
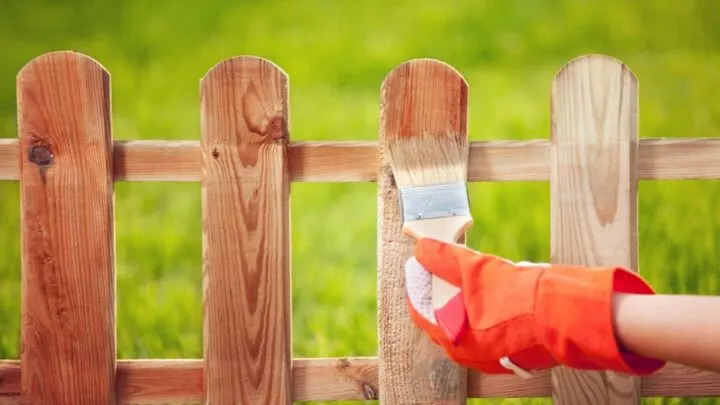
435	201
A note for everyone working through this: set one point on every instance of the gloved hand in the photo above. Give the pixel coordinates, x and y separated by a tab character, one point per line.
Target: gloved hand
525	316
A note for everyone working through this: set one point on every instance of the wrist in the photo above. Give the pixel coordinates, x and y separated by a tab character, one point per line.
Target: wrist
574	312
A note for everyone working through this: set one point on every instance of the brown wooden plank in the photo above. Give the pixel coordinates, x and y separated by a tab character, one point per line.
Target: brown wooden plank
309	161
68	252
9	169
160	381
677	380
356	161
246	246
336	379
594	194
328	162
417	96
157	160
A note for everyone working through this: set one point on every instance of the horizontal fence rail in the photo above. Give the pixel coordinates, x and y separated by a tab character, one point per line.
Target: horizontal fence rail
356	161
66	161
337	379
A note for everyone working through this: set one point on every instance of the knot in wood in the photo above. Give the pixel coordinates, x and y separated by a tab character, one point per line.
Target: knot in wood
41	155
276	129
369	392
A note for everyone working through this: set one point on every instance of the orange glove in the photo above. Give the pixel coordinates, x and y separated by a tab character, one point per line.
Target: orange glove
526	316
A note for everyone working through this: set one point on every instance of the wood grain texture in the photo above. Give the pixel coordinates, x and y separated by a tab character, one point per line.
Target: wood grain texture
418	96
68	246
9	159
337	379
356	161
594	195
246	246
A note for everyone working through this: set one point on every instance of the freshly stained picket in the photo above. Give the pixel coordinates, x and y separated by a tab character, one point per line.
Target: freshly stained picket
67	229
246	243
419	96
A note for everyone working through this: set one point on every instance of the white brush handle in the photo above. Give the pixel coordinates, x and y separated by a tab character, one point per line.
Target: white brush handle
447	229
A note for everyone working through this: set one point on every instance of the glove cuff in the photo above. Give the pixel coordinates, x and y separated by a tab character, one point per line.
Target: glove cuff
573	311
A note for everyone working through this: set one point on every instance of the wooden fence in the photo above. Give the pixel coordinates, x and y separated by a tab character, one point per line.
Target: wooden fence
66	162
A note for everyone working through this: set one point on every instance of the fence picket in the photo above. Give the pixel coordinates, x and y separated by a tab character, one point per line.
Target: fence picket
67	226
417	96
246	242
594	195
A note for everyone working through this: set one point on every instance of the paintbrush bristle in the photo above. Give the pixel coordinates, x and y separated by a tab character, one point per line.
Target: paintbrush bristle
427	159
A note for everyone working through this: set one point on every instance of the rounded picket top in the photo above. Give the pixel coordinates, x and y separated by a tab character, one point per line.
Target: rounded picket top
594	60
423	96
60	60
255	89
592	69
244	63
63	84
426	67
584	89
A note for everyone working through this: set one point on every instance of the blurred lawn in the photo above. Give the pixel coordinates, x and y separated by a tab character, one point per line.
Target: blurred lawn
337	54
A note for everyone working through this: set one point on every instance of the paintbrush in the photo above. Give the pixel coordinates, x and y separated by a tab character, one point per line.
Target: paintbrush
430	171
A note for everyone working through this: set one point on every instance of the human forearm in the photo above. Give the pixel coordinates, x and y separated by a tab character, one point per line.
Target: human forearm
533	316
679	328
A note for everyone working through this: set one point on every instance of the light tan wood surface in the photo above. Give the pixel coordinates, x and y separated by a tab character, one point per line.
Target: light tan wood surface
593	188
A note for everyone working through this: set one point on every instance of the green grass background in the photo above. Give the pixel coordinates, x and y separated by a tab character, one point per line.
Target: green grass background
336	54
